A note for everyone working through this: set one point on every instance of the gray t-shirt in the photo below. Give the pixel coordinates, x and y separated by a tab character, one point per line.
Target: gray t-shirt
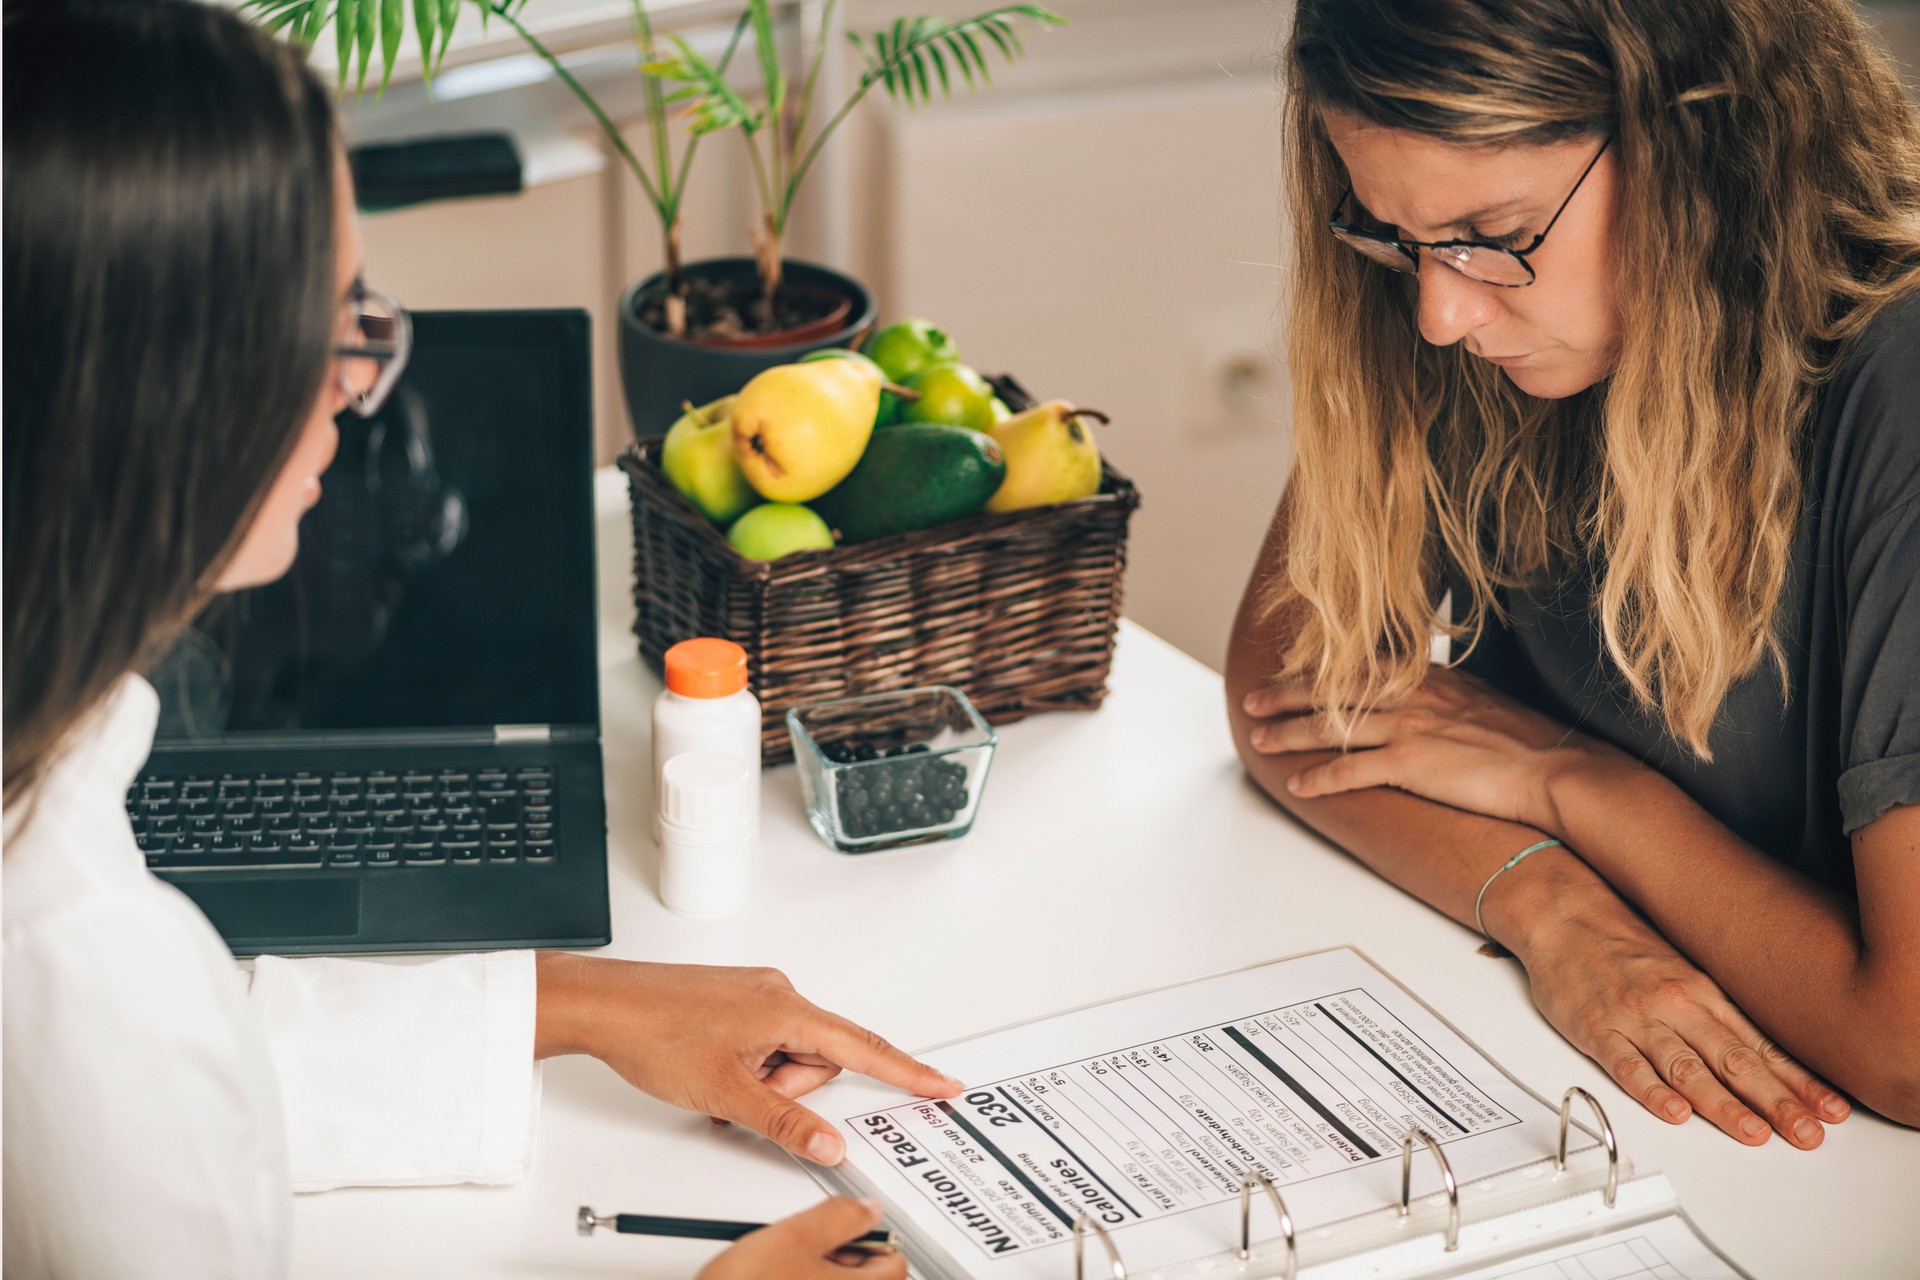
1794	781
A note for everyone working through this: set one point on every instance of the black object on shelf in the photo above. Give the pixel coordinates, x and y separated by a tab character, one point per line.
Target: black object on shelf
390	175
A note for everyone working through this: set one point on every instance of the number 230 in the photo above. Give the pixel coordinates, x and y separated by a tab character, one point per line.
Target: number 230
996	1112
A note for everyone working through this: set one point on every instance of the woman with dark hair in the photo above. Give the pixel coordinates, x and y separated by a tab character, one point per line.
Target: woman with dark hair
1606	321
184	317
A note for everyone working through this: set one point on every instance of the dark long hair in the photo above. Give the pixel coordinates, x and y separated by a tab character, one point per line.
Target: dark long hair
169	279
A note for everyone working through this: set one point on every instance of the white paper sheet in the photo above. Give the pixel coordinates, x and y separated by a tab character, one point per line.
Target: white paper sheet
1666	1248
1146	1112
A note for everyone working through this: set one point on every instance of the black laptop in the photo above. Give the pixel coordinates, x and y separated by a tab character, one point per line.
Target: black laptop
396	747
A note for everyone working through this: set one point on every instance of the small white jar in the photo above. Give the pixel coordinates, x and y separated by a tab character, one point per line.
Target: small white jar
706	707
707	833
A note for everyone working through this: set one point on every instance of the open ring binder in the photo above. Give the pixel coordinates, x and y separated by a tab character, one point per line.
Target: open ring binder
1247	1184
1606	1136
1288	1233
1446	1176
1148	1117
1081	1226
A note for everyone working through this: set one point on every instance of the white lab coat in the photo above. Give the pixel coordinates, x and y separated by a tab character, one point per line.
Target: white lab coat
160	1107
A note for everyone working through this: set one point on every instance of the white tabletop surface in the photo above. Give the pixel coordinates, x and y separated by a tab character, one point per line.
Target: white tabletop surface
1114	851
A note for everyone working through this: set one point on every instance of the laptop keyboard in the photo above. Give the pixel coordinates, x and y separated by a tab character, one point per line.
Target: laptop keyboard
346	820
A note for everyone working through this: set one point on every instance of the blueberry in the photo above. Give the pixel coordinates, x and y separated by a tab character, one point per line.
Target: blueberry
915	749
865	751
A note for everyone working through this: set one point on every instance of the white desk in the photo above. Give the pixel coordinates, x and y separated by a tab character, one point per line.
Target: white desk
1114	851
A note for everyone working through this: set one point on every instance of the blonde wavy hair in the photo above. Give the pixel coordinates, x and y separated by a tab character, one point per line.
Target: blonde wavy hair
1770	158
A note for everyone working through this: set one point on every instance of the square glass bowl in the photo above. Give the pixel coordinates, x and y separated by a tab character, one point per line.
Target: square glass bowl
891	769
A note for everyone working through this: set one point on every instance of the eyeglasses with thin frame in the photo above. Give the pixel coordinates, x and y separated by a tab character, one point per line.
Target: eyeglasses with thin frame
378	340
1502	265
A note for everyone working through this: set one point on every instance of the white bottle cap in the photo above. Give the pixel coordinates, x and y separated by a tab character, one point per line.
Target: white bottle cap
708	820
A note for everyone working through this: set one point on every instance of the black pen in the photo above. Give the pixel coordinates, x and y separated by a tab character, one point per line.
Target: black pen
641	1224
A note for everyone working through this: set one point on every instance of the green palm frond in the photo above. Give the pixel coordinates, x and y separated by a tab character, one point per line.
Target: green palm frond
773	76
898	58
363	38
366	28
710	103
449	14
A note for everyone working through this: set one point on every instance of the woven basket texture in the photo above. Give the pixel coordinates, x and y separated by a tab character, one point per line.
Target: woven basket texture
1017	610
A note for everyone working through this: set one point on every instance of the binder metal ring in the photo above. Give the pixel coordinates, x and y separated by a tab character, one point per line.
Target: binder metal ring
1606	1135
1247	1184
1082	1225
1446	1176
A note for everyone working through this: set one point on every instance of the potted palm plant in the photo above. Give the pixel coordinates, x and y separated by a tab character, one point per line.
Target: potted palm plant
698	331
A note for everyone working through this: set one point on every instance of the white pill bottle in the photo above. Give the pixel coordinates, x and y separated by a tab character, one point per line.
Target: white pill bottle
706	707
707	833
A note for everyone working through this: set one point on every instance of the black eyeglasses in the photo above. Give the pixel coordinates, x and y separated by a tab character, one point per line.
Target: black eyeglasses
1475	259
379	338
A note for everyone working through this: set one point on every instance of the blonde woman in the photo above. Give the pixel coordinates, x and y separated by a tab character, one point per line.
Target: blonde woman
1606	321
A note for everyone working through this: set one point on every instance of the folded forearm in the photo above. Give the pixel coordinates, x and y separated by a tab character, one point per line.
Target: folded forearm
1440	854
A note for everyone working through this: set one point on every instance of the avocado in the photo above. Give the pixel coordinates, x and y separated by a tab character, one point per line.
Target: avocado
914	476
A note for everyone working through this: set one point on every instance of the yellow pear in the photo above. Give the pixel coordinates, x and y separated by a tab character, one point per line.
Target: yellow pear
1051	456
798	429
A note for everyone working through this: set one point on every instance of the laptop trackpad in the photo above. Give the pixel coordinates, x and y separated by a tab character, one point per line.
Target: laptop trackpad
266	911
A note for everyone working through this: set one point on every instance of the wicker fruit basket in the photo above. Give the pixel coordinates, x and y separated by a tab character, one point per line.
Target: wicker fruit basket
1018	610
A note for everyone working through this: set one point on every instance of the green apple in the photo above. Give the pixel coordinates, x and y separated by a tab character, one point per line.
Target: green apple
905	347
1000	411
889	402
698	459
950	393
775	529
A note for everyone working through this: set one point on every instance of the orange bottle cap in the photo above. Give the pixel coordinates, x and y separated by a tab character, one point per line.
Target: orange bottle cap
706	668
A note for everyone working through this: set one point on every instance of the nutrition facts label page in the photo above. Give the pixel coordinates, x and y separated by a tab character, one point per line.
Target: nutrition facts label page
1145	1114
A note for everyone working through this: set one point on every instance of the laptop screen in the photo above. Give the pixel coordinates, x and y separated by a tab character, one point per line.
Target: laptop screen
445	579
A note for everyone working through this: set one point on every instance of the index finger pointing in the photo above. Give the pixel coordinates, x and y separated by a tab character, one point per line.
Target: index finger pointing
852	1046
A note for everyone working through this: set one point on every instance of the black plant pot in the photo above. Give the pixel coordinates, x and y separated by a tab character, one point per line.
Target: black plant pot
660	373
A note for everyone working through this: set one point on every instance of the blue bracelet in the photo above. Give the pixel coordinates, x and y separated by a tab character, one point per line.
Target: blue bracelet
1507	866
